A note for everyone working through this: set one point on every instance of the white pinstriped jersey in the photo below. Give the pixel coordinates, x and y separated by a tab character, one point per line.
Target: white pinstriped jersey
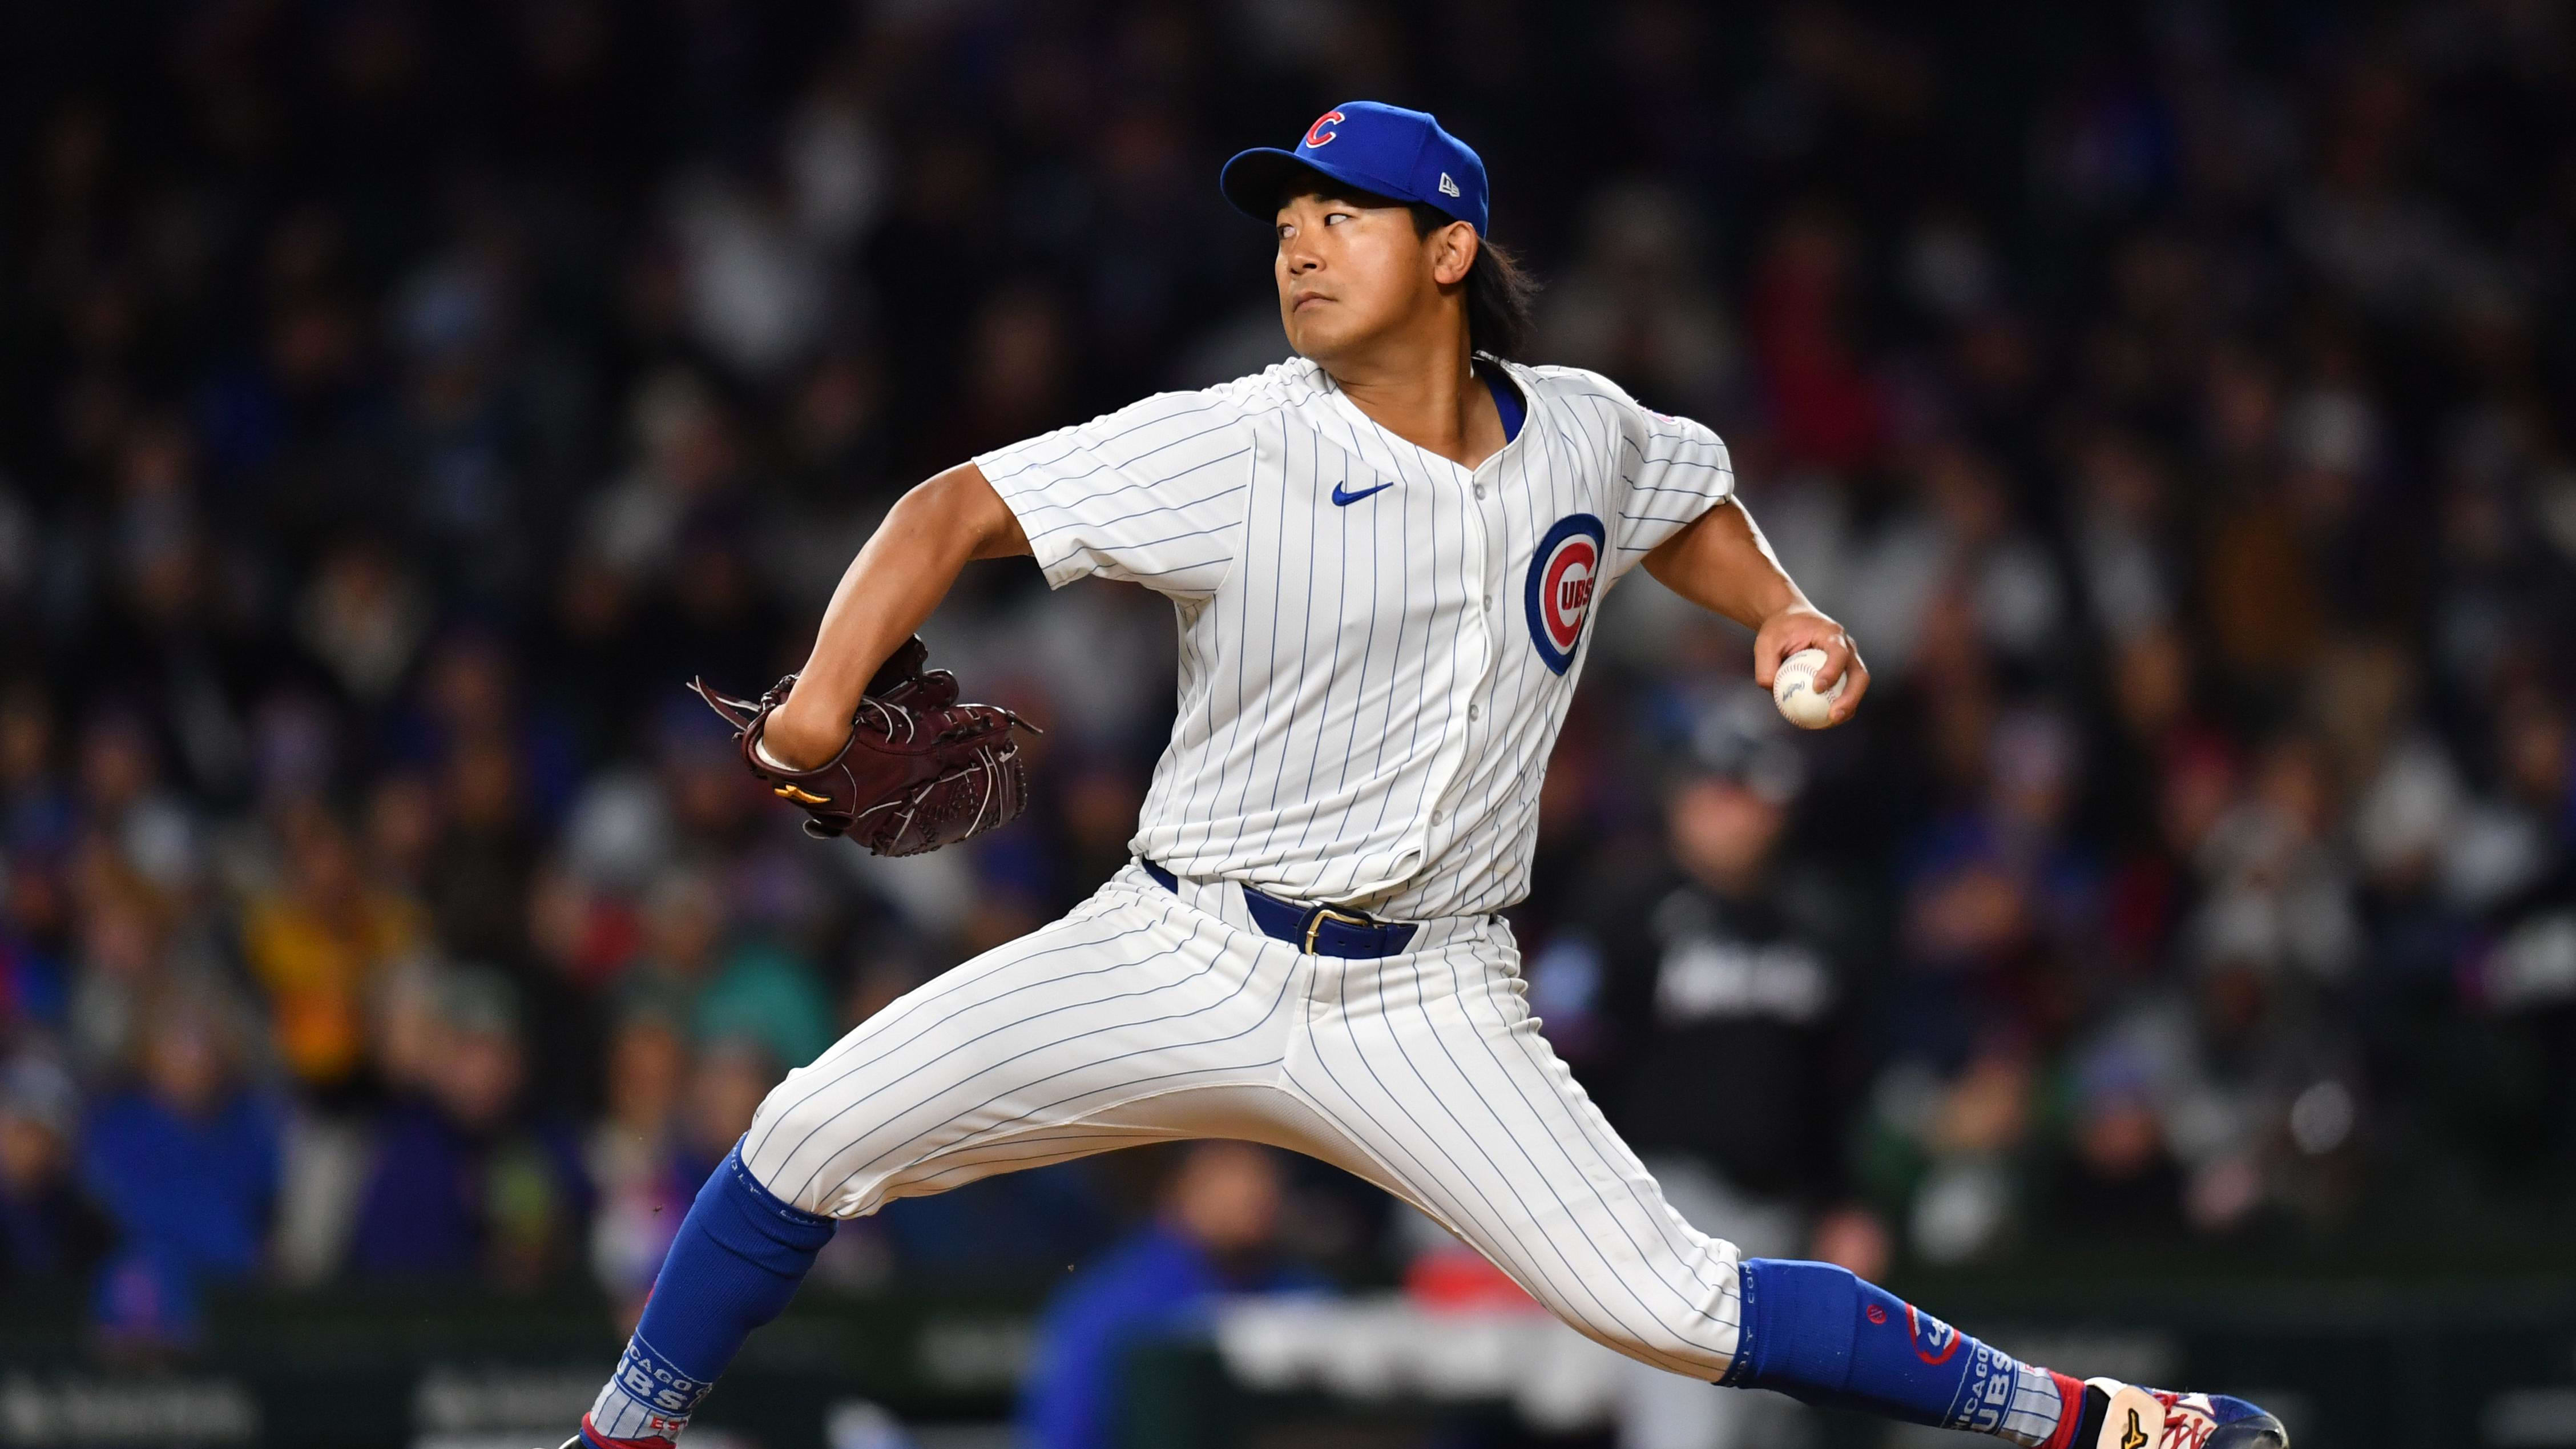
1378	646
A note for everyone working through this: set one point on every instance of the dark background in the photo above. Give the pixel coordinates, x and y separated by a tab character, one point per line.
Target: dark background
399	400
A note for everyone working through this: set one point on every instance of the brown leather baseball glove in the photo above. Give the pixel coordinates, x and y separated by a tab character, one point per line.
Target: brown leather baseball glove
920	770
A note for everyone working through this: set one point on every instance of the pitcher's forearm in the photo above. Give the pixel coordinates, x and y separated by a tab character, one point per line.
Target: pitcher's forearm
883	598
1722	563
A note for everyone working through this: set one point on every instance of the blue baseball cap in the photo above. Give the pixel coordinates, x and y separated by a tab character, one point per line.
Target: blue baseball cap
1385	150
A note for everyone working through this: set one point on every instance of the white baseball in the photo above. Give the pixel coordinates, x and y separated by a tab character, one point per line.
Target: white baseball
1794	690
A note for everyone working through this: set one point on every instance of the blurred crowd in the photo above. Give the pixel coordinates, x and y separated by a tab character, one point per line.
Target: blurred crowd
400	401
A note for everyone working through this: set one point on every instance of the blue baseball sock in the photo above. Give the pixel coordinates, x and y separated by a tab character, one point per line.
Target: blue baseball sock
1818	1334
737	1260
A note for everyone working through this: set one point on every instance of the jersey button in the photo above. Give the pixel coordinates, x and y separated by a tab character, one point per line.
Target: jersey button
1480	490
1475	711
1439	815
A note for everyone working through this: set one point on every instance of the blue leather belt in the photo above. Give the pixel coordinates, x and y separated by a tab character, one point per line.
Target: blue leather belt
1317	930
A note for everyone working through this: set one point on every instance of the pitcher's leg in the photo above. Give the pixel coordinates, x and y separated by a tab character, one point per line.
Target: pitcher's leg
1434	1065
999	1064
1007	1062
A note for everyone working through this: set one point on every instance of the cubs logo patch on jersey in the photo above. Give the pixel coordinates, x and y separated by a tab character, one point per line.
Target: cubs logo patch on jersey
1564	572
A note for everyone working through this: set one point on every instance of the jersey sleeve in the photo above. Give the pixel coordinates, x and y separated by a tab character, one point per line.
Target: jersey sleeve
1669	471
1154	493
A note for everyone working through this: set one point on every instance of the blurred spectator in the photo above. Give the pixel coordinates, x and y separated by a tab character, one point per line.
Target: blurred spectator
635	1159
671	1117
1708	995
470	1181
1216	1237
1825	406
728	984
150	828
185	1160
37	811
319	943
1637	305
1714	971
51	1231
365	617
119	961
2120	1178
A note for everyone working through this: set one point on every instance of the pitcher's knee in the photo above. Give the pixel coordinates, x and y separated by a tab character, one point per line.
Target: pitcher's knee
794	1138
1686	1320
1696	1344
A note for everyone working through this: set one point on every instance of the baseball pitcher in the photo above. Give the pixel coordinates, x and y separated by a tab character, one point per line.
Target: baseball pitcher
1382	554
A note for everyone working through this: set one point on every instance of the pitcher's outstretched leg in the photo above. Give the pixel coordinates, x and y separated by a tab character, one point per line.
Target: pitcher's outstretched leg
1818	1334
1010	1061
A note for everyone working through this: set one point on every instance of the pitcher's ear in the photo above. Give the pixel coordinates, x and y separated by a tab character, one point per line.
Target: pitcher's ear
1456	256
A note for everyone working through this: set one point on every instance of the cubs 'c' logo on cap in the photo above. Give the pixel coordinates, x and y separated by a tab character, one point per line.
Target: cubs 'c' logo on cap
1318	133
1563	575
1934	1341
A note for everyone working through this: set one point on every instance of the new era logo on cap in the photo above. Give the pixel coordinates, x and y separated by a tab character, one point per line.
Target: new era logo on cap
1370	147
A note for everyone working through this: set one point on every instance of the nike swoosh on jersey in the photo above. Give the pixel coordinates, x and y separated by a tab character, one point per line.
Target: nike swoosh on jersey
1345	500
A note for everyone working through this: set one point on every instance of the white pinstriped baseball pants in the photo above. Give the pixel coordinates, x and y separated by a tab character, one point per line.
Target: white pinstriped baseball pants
1148	1015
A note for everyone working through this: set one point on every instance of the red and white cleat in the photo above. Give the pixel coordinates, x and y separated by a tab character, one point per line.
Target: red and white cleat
2129	1417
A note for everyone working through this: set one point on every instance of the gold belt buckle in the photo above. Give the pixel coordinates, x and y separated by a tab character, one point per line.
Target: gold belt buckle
1315	922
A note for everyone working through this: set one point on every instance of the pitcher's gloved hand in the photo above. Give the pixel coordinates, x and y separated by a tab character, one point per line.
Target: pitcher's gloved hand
920	770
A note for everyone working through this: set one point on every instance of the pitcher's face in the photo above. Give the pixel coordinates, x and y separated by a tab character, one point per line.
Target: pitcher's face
1350	273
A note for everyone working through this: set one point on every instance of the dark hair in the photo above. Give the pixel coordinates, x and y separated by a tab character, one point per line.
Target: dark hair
1500	292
